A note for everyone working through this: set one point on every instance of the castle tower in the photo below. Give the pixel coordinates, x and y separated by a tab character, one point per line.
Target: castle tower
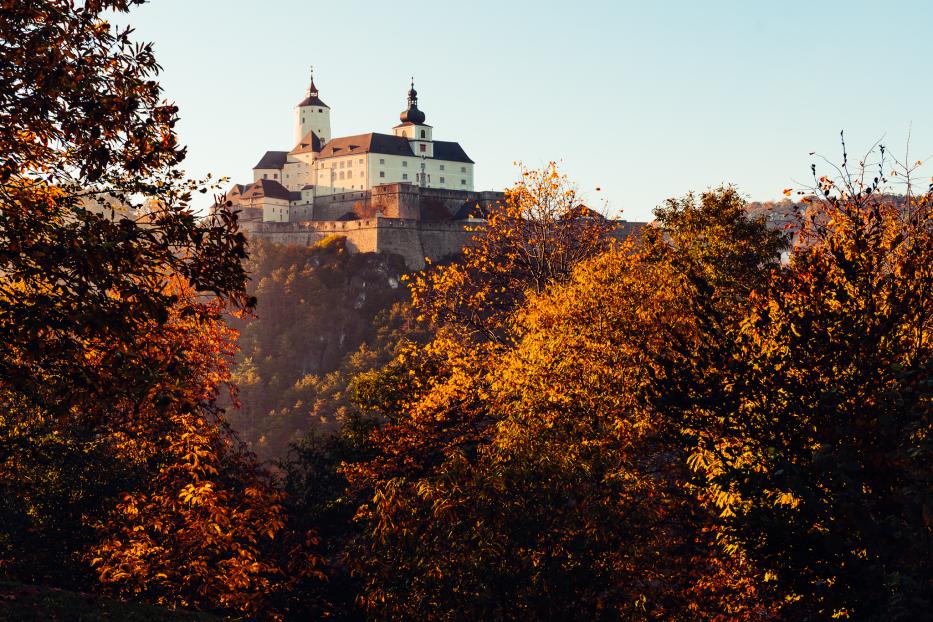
414	128
312	115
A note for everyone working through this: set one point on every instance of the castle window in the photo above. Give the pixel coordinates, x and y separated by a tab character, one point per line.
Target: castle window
463	169
382	160
275	176
361	160
320	110
422	134
442	180
404	175
382	173
462	182
442	167
405	163
341	174
423	148
265	176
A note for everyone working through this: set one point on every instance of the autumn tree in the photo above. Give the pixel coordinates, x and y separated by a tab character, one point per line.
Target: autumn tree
114	461
574	506
523	471
84	133
808	414
206	529
532	238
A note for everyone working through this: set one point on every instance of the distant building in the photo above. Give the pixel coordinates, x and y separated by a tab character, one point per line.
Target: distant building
321	165
370	187
404	192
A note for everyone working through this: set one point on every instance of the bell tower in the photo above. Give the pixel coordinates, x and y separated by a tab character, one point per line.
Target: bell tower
312	115
414	128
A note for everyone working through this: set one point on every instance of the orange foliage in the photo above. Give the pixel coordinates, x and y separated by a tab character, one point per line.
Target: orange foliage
207	528
523	471
532	239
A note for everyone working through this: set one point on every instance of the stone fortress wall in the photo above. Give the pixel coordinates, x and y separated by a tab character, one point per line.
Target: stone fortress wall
412	239
400	200
403	219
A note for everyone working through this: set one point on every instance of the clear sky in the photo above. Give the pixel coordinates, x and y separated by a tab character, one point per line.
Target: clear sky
645	100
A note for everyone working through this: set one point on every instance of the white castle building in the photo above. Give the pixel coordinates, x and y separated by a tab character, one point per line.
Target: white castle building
286	183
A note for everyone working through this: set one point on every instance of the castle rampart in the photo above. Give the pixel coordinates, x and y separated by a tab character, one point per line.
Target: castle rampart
413	240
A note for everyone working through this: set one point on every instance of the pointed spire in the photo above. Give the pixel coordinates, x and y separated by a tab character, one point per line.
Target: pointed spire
312	90
312	95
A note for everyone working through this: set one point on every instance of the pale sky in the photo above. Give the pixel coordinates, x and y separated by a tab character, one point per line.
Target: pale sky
645	100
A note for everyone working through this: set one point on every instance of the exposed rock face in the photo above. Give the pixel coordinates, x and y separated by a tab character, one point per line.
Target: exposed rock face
316	305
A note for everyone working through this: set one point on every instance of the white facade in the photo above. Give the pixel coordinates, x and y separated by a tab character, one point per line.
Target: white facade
267	173
312	169
390	169
296	174
274	210
312	118
419	137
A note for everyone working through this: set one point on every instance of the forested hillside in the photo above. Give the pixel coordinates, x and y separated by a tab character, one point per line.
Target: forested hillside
319	312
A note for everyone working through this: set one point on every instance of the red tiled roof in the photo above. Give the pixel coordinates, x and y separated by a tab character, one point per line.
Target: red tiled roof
310	143
313	100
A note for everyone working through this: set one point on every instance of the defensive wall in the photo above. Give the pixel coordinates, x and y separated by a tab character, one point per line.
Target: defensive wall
401	200
412	239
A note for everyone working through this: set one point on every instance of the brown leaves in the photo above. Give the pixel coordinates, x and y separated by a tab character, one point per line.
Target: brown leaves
207	528
532	239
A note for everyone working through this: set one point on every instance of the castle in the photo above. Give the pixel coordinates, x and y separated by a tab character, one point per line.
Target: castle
403	192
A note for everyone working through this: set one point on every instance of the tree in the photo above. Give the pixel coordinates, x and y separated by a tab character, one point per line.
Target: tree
808	413
524	472
84	136
113	453
207	527
531	239
435	391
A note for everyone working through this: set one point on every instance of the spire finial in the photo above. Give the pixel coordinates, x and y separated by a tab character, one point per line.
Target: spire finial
412	114
312	90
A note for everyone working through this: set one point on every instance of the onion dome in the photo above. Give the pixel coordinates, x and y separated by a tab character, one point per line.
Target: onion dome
412	114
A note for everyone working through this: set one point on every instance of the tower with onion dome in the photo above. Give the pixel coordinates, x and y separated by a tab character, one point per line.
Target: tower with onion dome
414	128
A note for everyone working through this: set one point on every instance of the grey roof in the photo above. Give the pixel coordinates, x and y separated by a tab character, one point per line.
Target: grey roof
266	188
366	143
389	144
272	159
444	150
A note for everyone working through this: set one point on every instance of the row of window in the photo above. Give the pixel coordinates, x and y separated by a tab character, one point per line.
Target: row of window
382	174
